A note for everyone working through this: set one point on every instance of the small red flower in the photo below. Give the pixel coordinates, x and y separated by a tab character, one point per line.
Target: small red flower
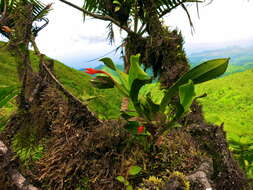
94	71
140	129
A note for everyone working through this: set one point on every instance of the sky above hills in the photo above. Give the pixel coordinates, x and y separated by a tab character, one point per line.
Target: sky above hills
67	38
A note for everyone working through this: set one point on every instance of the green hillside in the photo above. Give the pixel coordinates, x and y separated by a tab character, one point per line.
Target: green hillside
75	81
230	101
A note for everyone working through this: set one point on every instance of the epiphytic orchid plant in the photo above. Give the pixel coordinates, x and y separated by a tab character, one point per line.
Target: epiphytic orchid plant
148	116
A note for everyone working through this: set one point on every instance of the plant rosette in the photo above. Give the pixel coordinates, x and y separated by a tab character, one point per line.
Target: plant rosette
144	109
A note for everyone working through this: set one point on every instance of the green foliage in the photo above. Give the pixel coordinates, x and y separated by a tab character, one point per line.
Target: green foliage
134	170
241	58
7	94
9	7
203	72
27	149
146	110
124	10
242	148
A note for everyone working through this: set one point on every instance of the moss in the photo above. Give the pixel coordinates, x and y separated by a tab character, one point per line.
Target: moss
25	145
178	152
152	183
181	178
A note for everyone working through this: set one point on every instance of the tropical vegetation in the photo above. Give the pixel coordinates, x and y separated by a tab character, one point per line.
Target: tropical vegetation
161	139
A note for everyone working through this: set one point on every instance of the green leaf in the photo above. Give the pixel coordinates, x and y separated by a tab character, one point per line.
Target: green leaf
120	179
102	82
137	79
128	114
116	2
134	170
134	92
109	63
6	94
135	71
117	9
186	95
132	126
121	82
204	72
123	79
129	187
148	106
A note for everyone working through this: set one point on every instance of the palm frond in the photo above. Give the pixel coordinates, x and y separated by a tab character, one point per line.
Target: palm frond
110	36
7	94
166	6
9	7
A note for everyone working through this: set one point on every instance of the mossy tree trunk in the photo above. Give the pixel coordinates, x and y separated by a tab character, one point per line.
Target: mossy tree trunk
162	50
18	45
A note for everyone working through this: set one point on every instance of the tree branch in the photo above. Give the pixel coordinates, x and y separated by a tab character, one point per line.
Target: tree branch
4	11
100	17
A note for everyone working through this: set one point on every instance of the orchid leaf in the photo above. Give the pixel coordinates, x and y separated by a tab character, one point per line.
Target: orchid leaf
148	106
136	72
109	63
134	92
203	72
121	82
102	82
186	95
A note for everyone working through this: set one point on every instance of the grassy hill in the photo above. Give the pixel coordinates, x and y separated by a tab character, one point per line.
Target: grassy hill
77	82
230	101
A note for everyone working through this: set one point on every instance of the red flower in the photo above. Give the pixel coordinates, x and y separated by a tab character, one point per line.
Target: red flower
140	129
94	71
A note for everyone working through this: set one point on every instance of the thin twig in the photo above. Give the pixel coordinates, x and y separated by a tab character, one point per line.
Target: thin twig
35	47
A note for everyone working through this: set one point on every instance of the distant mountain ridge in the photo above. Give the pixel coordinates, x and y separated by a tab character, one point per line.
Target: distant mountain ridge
241	58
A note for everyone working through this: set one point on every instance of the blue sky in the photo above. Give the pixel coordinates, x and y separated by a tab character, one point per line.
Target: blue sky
67	38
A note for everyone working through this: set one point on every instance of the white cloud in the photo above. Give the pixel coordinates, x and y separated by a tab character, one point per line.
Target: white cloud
221	21
68	36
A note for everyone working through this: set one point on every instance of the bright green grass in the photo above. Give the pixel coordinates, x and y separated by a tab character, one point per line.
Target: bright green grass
230	100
